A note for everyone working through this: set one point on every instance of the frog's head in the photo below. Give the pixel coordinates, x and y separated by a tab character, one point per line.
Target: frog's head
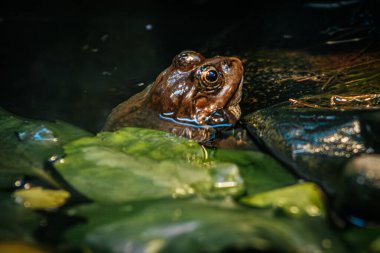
199	91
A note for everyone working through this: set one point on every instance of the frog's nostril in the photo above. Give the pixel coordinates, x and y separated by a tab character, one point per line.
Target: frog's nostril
225	66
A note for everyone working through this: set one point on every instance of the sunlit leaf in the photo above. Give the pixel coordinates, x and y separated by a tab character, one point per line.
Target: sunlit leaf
296	200
39	198
20	247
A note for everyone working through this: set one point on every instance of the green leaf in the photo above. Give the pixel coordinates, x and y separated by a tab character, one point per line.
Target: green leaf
260	172
17	222
149	143
25	145
186	226
295	200
362	240
136	164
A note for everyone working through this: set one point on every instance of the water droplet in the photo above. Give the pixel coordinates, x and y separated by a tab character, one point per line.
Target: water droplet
149	27
104	37
53	158
294	210
360	180
226	179
183	190
106	73
313	210
18	183
18	200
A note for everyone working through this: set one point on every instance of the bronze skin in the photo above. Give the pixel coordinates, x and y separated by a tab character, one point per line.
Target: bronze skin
194	97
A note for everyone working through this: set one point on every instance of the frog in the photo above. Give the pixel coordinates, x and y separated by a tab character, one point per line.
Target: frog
195	97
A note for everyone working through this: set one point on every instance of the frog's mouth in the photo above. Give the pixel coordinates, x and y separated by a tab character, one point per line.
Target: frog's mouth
233	104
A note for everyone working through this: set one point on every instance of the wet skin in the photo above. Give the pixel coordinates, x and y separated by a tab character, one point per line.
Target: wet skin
195	97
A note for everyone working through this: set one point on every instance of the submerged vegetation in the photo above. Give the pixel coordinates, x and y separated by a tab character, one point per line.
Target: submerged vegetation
330	81
347	82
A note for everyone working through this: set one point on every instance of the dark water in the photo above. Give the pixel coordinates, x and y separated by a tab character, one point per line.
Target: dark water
75	60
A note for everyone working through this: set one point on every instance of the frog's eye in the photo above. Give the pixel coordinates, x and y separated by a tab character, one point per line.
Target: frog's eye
187	60
209	77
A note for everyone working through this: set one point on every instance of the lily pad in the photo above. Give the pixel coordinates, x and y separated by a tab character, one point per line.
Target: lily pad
136	164
25	145
157	145
186	226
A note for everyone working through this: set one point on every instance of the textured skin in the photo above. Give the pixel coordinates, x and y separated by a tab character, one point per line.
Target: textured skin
183	101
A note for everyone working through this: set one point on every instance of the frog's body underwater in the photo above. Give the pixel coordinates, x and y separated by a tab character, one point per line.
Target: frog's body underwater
195	97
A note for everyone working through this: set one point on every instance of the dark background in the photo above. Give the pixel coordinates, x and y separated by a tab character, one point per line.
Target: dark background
75	60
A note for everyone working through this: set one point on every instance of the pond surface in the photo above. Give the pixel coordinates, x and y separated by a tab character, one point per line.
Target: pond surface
69	59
